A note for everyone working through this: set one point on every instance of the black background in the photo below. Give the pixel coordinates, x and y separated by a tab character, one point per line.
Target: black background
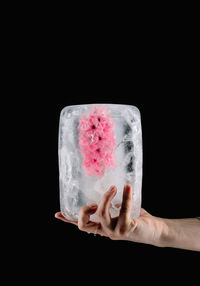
158	76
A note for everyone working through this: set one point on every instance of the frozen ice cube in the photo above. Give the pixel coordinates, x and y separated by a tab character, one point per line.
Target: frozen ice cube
99	145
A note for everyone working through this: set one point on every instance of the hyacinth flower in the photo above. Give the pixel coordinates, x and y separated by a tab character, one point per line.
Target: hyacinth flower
97	141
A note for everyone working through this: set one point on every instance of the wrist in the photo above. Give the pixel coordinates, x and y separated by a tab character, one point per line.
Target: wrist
165	233
168	235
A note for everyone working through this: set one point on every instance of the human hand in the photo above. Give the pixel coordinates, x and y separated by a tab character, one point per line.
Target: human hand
146	228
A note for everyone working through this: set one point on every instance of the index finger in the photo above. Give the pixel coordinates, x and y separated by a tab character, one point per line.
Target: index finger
84	222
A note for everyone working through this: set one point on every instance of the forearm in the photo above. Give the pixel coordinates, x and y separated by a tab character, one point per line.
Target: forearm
181	233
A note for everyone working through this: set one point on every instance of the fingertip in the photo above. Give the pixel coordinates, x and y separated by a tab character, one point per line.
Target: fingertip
93	206
86	210
112	190
113	186
56	215
127	193
128	186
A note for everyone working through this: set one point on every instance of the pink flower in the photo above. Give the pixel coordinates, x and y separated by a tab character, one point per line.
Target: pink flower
96	141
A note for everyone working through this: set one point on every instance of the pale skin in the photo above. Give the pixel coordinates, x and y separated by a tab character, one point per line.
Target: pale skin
178	233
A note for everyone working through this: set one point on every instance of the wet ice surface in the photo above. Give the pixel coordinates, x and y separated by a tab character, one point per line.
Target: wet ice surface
76	187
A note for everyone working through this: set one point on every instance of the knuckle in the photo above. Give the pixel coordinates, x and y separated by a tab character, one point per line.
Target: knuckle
122	231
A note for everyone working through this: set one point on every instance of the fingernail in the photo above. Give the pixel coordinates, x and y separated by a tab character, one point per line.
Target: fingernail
93	206
112	189
128	186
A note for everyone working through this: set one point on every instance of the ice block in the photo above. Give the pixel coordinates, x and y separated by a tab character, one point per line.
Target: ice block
99	145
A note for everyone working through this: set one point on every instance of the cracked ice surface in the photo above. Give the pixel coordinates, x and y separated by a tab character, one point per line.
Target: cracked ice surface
77	188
